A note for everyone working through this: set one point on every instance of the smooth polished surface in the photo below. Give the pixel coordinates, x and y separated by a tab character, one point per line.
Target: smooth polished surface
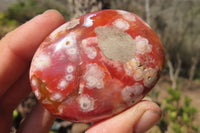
96	66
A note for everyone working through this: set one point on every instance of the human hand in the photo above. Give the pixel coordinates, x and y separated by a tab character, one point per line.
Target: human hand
16	51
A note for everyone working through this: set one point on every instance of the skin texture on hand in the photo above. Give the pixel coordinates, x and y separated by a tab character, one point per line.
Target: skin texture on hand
16	51
138	119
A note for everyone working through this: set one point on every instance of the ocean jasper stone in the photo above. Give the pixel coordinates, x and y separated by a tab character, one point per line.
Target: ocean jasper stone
96	66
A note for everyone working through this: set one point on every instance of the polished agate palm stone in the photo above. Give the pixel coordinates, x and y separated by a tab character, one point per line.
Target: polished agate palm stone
96	66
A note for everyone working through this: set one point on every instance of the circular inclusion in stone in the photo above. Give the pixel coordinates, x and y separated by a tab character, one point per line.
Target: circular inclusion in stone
96	66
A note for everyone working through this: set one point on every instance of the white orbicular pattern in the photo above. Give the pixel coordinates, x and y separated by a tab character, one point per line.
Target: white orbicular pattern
131	66
57	97
94	76
69	77
86	103
62	84
121	24
138	74
41	61
89	50
128	16
142	45
129	92
70	68
150	77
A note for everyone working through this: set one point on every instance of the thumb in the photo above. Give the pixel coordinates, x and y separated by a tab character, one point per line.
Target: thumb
138	119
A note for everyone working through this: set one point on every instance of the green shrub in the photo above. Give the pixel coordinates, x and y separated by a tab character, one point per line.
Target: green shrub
180	116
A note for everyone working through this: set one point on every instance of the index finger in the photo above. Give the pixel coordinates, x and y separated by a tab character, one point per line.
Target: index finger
18	46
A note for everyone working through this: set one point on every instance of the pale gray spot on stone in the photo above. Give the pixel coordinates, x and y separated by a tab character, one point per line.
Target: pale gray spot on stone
115	44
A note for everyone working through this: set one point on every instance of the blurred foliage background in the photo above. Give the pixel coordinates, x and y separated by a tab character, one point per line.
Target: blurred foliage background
177	24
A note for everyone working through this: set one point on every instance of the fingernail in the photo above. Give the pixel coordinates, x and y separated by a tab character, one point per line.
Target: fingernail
49	10
149	118
46	11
